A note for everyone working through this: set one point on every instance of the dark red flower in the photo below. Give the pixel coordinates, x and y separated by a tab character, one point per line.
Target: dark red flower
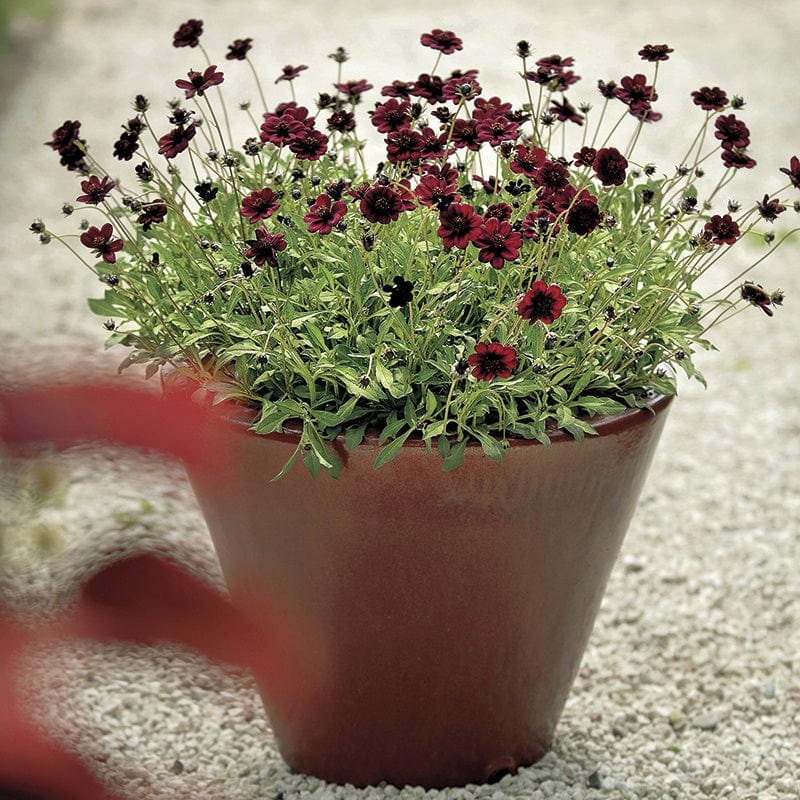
487	109
793	171
498	242
459	225
391	116
434	191
200	82
461	87
497	130
527	160
465	134
238	49
770	208
731	132
400	292
152	212
551	72
353	89
555	200
289	73
721	230
635	92
265	247
398	89
65	136
585	157
444	41
710	98
280	129
102	242
490	184
429	87
542	303
403	145
493	360
583	215
177	140
310	145
538	223
610	166
555	62
552	175
501	211
655	52
381	204
259	205
324	214
737	159
432	144
754	294
566	112
95	190
126	146
607	89
188	34
341	121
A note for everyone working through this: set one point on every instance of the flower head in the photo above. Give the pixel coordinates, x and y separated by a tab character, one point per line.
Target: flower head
459	224
95	189
259	205
102	241
200	82
400	291
493	360
498	242
152	212
610	166
324	214
542	303
445	42
289	73
265	247
381	204
721	229
655	52
177	140
793	171
238	49
188	34
710	98
731	132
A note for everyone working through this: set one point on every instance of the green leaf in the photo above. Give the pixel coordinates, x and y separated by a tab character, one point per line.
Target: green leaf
493	447
455	455
273	415
288	465
430	402
384	376
600	405
391	450
354	436
322	450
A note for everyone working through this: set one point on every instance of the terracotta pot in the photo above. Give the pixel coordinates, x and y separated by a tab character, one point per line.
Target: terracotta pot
435	621
451	609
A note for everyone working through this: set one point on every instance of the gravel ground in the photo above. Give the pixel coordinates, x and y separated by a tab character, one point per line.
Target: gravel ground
689	687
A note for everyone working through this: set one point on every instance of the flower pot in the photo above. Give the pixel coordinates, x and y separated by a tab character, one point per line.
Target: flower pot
450	609
434	621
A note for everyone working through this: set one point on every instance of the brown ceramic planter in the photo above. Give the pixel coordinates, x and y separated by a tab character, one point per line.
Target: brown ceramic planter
440	618
451	609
